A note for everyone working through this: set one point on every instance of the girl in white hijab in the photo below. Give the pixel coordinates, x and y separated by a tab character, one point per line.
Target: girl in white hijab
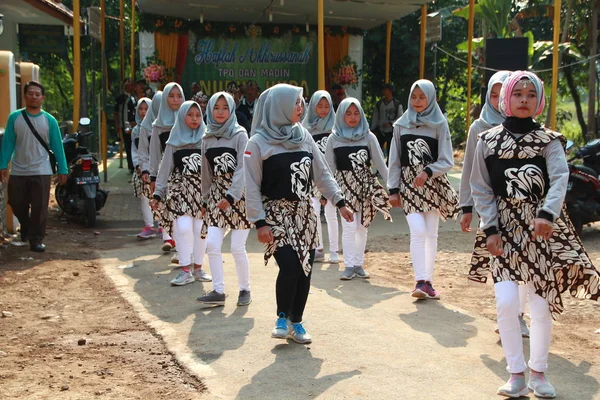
350	151
170	101
319	121
141	189
420	156
178	187
223	149
281	162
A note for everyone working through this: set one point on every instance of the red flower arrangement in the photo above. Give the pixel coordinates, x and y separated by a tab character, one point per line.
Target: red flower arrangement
345	73
276	30
178	23
207	27
232	28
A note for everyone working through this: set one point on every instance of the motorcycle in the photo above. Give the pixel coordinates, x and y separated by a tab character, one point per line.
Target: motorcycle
81	195
583	190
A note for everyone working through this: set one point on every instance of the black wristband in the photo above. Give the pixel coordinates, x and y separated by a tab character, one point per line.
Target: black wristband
152	179
467	210
394	191
341	203
545	215
492	230
428	171
261	223
156	197
229	198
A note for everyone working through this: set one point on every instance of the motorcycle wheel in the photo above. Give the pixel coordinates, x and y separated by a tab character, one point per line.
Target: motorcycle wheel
90	212
577	221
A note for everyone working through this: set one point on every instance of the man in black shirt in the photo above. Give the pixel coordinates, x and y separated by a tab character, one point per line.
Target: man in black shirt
125	117
246	105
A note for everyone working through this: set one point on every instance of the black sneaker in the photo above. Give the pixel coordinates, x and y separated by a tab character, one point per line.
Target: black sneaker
244	298
214	298
36	246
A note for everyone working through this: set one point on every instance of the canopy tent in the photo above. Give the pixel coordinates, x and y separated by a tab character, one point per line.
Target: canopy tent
42	12
364	14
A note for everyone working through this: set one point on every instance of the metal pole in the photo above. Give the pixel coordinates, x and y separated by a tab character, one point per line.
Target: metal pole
132	62
470	60
435	49
104	131
388	50
422	43
122	49
321	44
76	63
553	97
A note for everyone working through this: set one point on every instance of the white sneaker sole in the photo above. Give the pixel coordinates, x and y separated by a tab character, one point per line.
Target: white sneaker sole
203	280
146	237
242	304
362	276
182	283
306	341
523	392
346	278
212	303
419	294
279	336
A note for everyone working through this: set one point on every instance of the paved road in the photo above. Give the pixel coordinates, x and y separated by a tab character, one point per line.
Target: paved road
371	341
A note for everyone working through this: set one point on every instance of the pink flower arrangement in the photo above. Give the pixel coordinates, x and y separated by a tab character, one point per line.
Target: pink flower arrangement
155	73
345	73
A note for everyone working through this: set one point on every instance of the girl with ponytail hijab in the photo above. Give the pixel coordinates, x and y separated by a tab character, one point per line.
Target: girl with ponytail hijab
519	182
281	163
179	189
319	121
420	156
141	189
350	150
223	192
171	99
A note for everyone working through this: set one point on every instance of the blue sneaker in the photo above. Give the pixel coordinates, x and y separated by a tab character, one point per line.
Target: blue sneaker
298	334
281	328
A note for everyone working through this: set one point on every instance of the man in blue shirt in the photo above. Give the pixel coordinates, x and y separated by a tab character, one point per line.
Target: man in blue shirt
31	169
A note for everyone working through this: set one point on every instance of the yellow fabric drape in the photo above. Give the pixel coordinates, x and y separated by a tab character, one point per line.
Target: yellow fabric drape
336	48
166	47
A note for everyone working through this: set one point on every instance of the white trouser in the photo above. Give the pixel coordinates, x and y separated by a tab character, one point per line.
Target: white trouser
354	241
214	243
189	242
507	306
146	212
332	224
523	293
423	243
165	235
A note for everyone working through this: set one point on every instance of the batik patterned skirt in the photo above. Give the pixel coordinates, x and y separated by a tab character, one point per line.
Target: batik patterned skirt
437	194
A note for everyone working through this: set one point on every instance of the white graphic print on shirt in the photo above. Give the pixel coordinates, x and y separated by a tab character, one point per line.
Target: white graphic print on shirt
301	177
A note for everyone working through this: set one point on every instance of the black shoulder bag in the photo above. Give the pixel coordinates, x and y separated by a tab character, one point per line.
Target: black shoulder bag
44	144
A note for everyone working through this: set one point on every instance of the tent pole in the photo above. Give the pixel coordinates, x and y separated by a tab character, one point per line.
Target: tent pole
556	40
388	46
470	61
321	44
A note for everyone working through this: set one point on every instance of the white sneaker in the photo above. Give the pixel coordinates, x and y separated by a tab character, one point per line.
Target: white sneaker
183	278
538	383
515	387
298	334
334	258
175	258
200	275
281	328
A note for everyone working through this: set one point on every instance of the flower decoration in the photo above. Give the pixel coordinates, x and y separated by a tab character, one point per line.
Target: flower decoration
345	73
253	31
296	29
155	73
178	23
345	29
328	31
276	30
159	23
232	28
207	27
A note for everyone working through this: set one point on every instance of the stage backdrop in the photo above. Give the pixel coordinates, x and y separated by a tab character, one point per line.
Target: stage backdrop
215	62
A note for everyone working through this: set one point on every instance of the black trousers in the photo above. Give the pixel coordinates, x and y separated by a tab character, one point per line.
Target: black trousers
127	146
28	196
292	285
383	139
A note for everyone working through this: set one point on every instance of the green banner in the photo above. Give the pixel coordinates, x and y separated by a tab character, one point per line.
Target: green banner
215	62
42	39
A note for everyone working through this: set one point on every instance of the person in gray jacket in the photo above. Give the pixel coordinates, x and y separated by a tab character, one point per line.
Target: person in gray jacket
519	181
281	162
420	156
223	186
178	187
350	150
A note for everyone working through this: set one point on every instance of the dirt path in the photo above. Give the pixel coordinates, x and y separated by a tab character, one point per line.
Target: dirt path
69	334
